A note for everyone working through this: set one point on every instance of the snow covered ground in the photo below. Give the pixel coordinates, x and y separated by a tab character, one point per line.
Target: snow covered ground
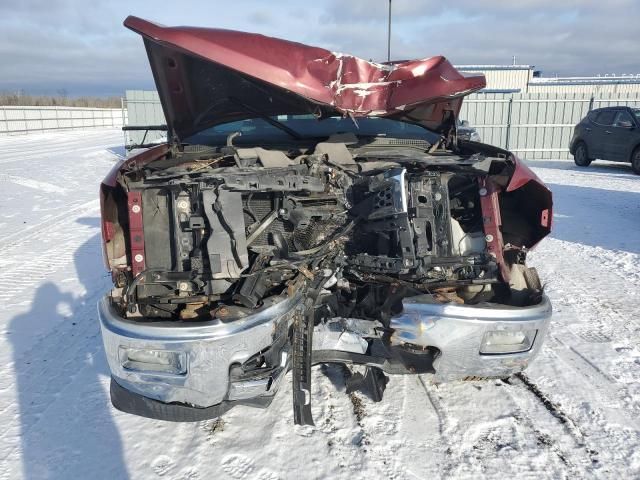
574	414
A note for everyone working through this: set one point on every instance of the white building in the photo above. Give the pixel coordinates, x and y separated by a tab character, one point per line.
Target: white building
502	78
594	85
523	79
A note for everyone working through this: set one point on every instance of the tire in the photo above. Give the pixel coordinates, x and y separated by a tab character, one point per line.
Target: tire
581	156
635	161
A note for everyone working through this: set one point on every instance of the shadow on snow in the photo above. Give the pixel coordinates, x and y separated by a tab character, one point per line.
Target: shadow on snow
596	217
73	437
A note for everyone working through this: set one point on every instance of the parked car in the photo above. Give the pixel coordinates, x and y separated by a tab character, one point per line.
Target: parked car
611	133
467	132
311	207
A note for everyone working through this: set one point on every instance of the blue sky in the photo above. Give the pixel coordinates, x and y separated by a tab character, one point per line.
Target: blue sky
82	47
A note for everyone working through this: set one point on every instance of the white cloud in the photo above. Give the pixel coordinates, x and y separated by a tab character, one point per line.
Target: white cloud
82	46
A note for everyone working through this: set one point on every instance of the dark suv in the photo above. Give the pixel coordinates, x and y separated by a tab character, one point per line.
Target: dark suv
610	133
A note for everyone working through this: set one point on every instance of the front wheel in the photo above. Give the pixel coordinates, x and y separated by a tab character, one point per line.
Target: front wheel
580	156
635	161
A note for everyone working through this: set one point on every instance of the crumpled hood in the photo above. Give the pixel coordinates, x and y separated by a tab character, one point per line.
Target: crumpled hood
207	77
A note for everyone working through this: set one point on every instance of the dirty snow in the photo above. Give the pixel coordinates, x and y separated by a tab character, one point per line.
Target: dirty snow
574	414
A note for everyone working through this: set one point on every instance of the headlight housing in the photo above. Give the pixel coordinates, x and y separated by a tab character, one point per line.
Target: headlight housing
507	341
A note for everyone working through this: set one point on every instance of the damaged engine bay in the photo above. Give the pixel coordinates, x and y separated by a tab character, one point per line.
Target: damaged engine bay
219	233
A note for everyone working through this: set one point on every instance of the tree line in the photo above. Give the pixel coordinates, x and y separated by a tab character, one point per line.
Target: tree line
22	99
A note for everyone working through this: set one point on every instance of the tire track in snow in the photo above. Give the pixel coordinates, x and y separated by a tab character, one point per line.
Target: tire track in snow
484	426
600	388
34	184
17	238
343	411
578	456
551	441
444	429
550	406
42	146
436	405
35	257
605	301
594	262
590	320
396	436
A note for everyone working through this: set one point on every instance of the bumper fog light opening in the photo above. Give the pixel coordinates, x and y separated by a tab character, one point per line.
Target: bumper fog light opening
507	341
145	360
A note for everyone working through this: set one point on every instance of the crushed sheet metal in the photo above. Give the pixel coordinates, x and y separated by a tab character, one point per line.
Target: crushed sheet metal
421	91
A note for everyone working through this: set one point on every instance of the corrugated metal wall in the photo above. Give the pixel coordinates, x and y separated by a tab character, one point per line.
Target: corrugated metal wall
16	120
143	108
502	78
533	125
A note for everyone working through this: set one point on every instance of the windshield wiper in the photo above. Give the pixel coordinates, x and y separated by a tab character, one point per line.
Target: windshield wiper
270	120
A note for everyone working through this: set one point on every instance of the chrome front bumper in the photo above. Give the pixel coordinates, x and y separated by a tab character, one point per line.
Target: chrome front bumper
458	331
210	349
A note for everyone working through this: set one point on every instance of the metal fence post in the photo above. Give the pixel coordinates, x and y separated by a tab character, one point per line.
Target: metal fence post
24	117
6	119
124	123
591	103
506	146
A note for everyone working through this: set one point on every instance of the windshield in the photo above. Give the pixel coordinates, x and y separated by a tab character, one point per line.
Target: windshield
636	112
307	126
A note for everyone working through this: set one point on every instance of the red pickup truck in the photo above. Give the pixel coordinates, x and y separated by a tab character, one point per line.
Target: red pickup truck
311	207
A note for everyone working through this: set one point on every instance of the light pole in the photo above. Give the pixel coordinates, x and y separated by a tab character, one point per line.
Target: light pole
389	35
